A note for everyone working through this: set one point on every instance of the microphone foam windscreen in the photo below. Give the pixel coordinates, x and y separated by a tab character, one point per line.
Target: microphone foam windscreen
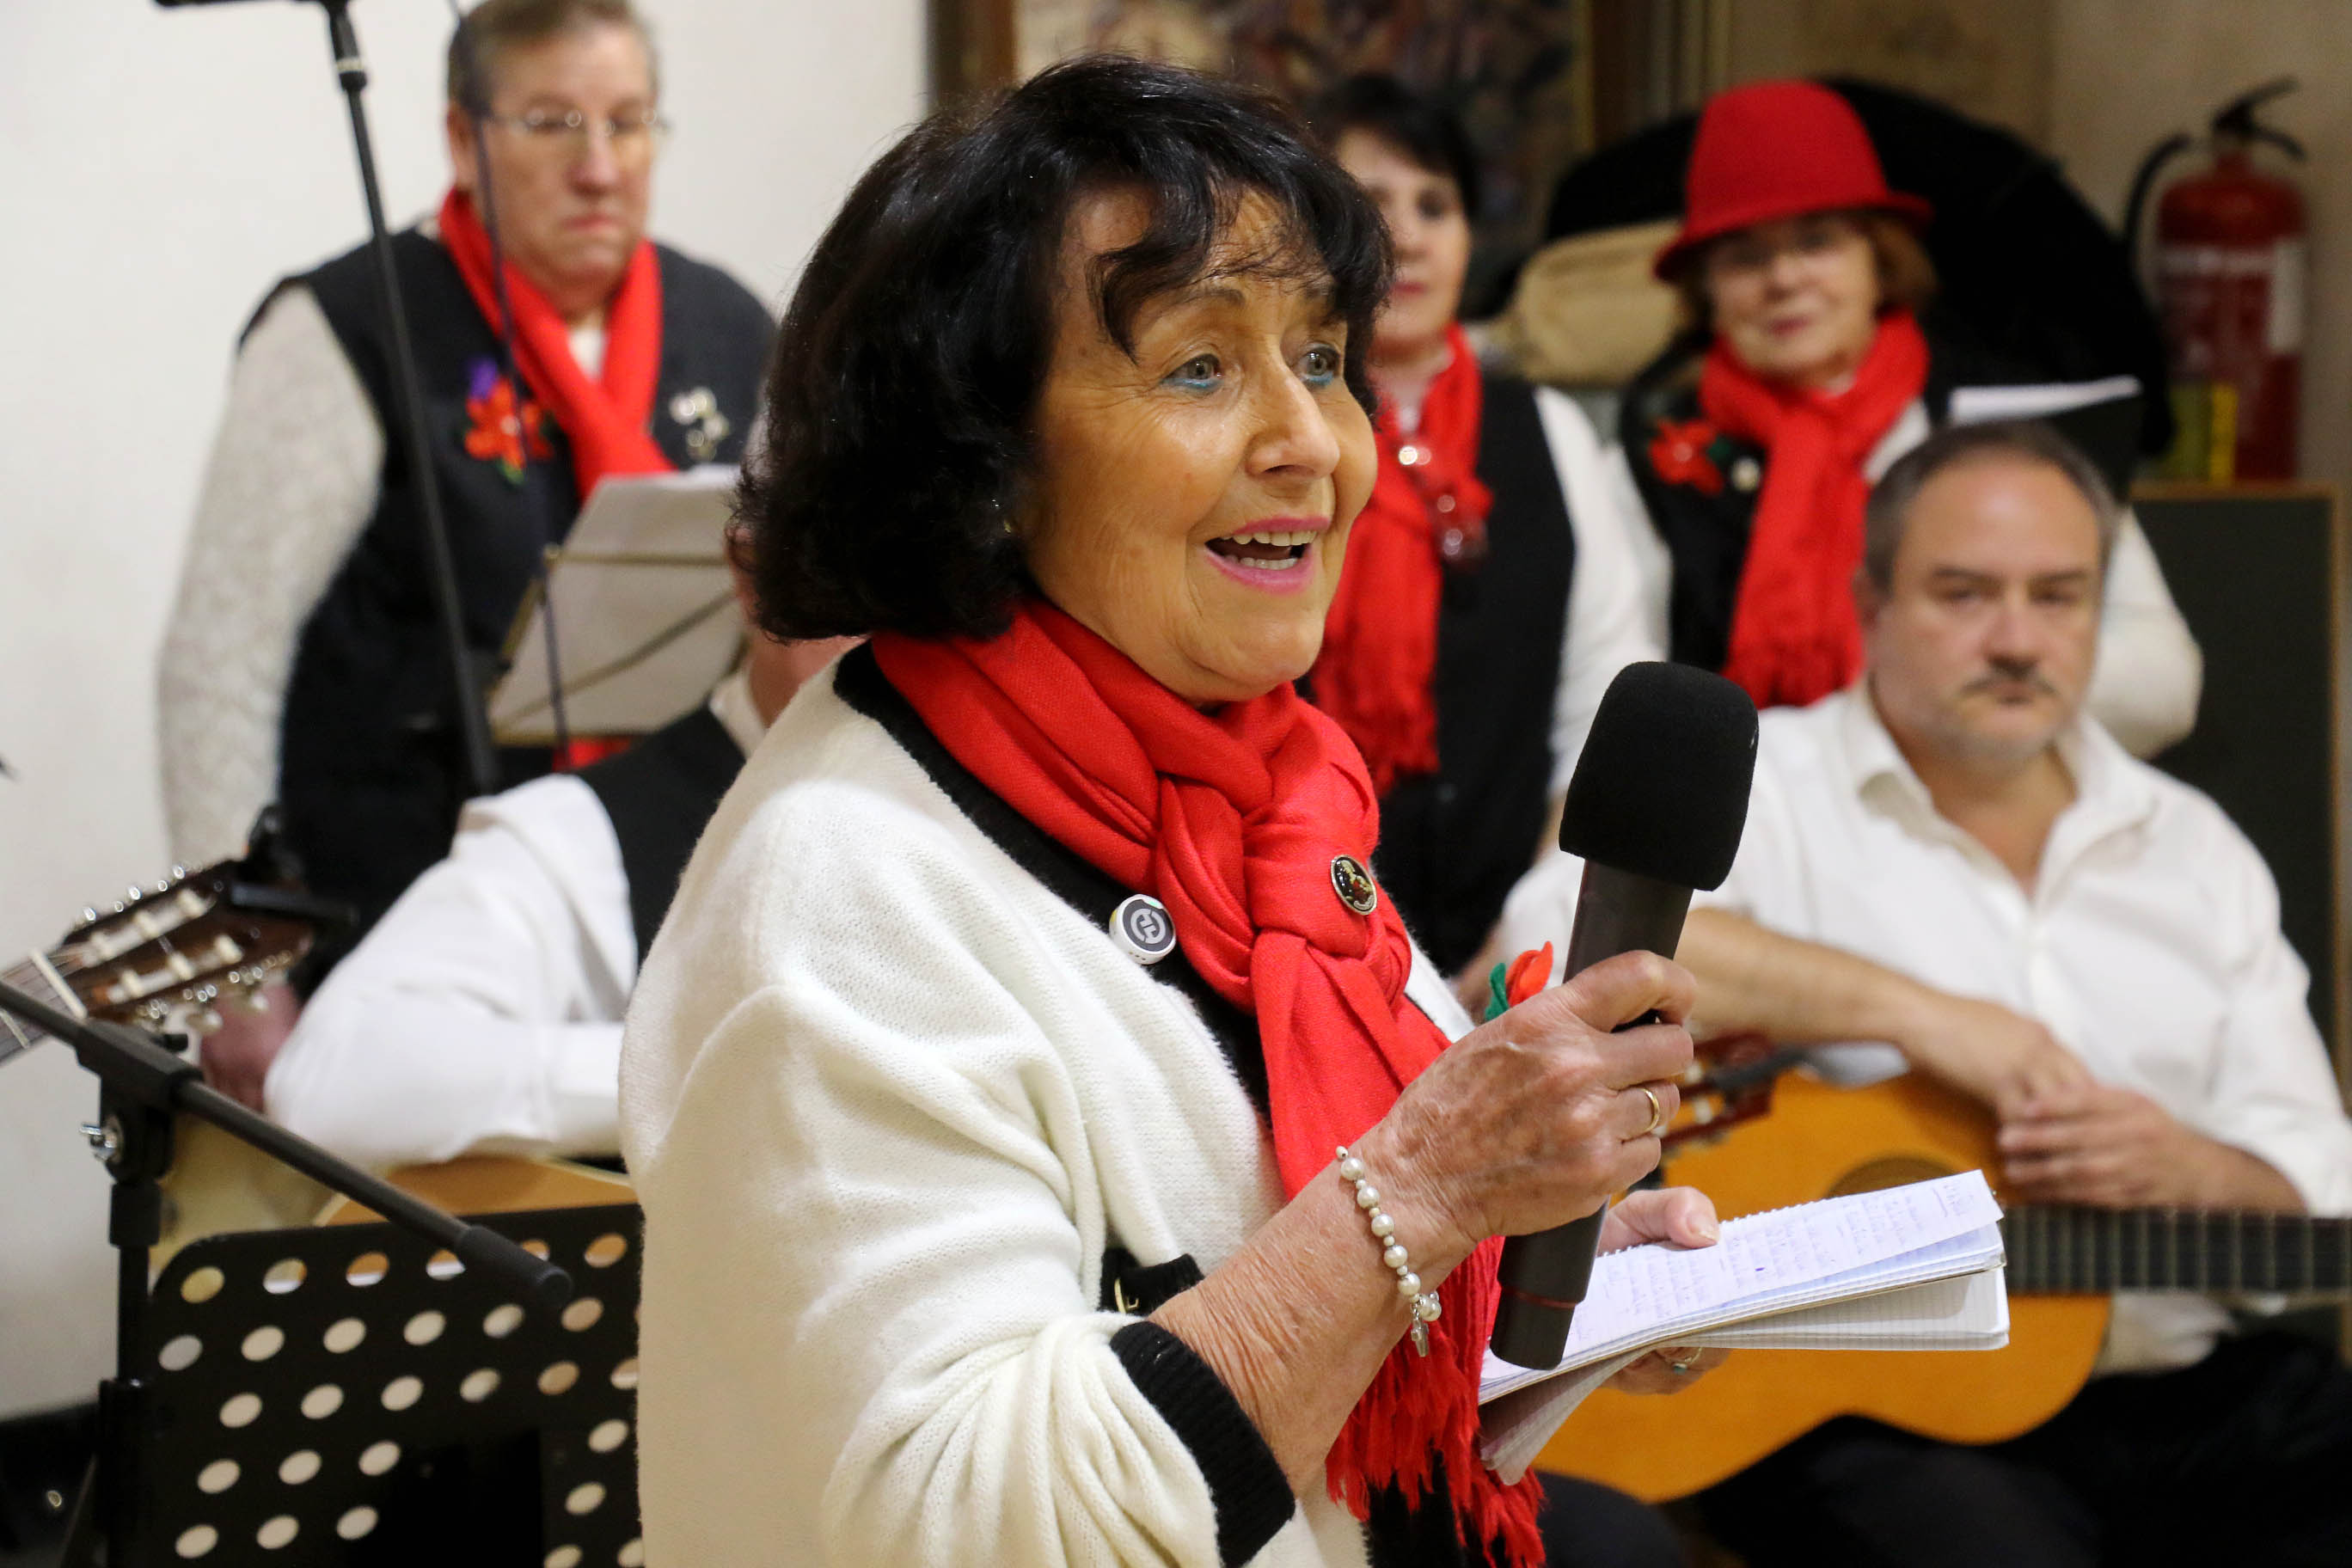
1662	788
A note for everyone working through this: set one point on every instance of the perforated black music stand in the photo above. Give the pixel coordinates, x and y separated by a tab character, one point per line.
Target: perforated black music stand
348	1395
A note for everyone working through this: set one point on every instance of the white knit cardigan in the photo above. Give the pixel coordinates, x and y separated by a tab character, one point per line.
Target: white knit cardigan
886	1098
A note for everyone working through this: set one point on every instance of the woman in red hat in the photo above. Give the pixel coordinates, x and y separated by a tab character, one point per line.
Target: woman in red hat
1809	366
1492	590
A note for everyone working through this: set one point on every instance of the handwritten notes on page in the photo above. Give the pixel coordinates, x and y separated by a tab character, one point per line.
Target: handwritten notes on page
1856	1272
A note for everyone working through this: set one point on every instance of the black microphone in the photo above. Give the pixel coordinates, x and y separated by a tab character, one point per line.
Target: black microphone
1655	808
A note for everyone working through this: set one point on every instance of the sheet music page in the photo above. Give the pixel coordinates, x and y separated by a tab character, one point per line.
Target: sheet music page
1983	404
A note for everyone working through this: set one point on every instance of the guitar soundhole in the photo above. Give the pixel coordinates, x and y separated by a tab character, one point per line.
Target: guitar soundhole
1899	1169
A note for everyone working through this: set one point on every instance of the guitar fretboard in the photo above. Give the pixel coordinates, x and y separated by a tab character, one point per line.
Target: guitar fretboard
2087	1251
34	978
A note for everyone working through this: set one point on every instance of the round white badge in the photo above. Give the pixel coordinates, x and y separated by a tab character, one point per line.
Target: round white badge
1142	929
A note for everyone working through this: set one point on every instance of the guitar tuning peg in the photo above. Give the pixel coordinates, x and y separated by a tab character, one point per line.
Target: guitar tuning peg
89	913
179	874
135	894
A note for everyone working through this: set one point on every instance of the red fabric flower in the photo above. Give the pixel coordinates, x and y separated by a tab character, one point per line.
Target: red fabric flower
1679	456
1528	974
496	435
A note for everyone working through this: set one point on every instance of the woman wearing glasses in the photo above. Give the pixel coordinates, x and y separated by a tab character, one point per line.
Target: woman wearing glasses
304	661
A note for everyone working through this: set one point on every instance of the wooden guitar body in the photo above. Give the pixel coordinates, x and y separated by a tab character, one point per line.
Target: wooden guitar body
217	1186
1758	1401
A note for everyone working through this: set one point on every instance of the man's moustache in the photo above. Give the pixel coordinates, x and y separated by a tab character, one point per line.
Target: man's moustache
1991	678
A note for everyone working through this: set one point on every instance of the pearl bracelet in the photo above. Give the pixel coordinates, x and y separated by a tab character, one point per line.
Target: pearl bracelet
1392	1253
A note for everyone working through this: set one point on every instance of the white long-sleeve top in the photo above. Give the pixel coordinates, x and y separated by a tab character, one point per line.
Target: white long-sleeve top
482	1015
2149	944
290	486
886	1098
1608	626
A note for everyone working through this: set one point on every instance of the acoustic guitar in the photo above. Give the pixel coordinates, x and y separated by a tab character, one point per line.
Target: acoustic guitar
2063	1263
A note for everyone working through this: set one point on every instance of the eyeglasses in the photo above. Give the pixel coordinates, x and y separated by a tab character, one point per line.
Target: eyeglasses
633	137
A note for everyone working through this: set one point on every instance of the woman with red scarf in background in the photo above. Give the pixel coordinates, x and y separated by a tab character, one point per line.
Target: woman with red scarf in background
1491	591
1814	360
305	662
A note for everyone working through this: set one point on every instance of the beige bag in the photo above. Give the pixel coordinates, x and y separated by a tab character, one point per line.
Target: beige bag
1585	312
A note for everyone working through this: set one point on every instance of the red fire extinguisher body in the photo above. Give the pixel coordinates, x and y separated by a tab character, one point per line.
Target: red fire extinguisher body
2229	271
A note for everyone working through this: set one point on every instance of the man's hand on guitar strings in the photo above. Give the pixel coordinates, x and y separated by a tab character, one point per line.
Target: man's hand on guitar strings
2112	1148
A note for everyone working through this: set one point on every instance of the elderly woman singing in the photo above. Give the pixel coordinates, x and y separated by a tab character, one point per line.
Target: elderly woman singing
1053	1148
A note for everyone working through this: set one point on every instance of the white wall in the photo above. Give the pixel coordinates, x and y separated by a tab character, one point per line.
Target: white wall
2125	73
158	169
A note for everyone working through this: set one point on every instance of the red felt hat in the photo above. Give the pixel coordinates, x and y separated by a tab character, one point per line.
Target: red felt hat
1774	150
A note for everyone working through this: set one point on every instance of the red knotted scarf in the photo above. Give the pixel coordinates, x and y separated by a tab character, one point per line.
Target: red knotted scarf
1231	819
606	419
1794	637
1380	641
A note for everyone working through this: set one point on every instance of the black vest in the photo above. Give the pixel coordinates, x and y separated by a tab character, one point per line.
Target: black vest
1454	842
371	773
661	794
1706	535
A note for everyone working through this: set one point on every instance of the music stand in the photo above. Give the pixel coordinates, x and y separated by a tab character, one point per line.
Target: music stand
348	1394
642	598
142	1084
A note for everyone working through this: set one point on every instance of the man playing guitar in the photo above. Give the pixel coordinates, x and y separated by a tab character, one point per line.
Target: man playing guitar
1951	861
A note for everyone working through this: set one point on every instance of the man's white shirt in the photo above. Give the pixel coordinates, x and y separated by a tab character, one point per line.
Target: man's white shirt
482	1015
2149	944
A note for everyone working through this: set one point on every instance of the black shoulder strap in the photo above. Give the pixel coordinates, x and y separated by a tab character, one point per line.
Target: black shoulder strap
860	683
661	794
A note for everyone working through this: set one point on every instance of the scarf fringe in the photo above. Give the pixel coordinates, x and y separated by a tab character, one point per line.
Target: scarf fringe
1420	1410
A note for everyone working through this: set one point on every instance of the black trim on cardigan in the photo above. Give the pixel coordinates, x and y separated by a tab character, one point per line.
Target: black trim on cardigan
1251	1494
660	794
859	681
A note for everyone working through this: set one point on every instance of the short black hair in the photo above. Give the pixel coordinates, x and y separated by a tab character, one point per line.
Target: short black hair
1421	125
492	27
2024	440
902	391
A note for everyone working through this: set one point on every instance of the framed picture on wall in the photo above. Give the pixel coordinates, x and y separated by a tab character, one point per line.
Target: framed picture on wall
1515	71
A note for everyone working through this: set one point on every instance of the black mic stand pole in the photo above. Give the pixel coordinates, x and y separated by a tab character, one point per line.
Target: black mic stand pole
142	1084
473	721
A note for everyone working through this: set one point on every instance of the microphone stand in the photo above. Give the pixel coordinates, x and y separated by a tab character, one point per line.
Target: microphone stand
141	1085
482	772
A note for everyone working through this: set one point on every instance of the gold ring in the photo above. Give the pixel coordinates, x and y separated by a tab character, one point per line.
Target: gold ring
1657	1112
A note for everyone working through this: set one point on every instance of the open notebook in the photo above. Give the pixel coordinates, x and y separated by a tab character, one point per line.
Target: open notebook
1911	1268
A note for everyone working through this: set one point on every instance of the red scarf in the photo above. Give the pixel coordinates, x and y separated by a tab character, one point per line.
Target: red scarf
606	419
1794	637
1231	819
1380	641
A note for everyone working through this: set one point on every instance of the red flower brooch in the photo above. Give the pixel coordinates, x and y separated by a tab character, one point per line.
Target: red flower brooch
496	434
1681	456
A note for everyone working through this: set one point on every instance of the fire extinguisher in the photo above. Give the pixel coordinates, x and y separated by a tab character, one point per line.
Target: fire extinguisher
2229	276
